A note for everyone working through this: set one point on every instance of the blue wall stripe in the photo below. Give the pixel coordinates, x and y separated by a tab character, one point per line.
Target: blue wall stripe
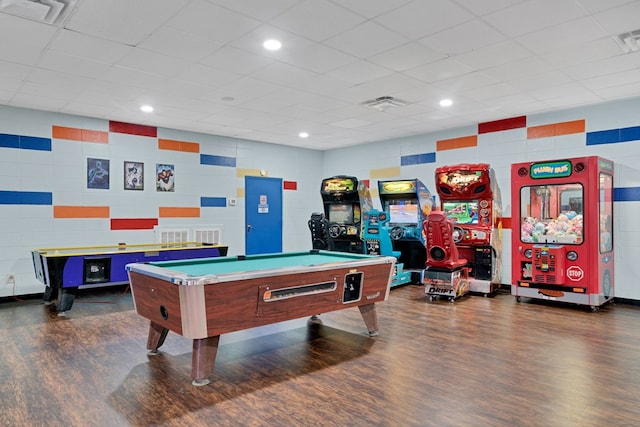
626	194
213	202
612	136
9	141
208	159
34	143
416	159
25	142
25	198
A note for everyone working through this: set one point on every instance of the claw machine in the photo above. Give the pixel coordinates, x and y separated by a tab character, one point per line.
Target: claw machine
562	230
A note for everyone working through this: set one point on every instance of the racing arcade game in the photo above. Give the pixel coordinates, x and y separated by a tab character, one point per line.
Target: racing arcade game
408	203
470	198
378	242
344	199
562	244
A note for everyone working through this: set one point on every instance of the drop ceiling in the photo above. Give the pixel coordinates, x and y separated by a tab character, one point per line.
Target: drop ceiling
201	64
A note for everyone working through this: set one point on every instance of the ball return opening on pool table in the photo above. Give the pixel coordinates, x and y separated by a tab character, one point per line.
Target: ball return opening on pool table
202	299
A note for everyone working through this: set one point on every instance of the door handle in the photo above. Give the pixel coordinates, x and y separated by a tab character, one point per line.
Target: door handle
249	227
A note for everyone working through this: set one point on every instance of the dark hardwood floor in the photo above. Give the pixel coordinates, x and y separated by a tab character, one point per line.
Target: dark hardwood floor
477	362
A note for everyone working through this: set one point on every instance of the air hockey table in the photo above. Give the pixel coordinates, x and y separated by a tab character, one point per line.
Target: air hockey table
202	299
65	270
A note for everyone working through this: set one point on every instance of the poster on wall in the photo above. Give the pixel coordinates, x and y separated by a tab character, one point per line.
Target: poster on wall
98	173
133	176
165	177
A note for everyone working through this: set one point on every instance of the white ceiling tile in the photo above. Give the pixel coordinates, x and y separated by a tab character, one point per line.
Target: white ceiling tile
317	19
485	7
359	71
489	56
34	38
77	65
235	60
620	19
570	35
318	58
177	43
439	70
372	8
123	21
422	18
90	48
465	37
258	9
366	40
533	15
407	56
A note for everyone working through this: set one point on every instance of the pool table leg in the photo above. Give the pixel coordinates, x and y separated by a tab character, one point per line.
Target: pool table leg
203	358
370	318
156	337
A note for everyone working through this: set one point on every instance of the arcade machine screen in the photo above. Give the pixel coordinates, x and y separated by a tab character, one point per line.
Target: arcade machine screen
461	212
341	214
403	214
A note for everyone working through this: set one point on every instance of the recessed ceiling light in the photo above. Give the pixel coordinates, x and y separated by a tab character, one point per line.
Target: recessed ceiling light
147	108
303	135
446	103
272	44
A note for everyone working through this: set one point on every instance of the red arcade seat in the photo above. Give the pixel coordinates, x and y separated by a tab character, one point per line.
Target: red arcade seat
441	249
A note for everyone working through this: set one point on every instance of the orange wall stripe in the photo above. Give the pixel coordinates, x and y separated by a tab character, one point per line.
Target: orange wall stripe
177	212
75	134
556	129
454	143
169	144
81	211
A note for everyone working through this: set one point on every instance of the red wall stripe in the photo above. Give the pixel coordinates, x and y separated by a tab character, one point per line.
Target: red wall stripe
504	124
133	223
366	182
506	222
131	129
290	185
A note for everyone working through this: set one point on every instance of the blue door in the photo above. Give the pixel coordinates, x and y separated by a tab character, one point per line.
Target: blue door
263	215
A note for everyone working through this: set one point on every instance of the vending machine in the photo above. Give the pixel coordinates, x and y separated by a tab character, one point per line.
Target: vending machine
344	199
562	238
470	198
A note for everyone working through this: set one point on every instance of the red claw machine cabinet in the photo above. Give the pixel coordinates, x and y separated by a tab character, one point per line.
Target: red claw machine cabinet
562	242
470	198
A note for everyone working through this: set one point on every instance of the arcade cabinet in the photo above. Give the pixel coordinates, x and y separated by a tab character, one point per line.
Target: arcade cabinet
378	242
408	203
344	199
562	217
446	273
470	198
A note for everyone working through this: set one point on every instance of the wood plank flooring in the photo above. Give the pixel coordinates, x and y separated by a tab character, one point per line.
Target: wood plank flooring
477	362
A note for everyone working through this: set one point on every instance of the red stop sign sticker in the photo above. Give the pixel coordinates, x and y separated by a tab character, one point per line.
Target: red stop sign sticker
575	273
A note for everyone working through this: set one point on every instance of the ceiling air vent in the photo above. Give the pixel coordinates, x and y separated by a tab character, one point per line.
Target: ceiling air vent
47	11
628	42
384	102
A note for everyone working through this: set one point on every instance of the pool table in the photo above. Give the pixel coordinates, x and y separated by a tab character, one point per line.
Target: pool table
65	270
202	299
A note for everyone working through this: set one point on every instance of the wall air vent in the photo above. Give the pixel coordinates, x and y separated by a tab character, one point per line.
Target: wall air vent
46	11
628	42
384	102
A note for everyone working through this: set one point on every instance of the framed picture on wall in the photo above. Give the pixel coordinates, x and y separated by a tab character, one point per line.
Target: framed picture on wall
98	173
133	176
165	177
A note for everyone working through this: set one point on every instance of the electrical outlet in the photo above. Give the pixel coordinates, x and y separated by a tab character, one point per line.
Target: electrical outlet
11	279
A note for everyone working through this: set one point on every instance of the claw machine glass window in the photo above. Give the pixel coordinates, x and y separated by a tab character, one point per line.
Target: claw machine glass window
552	214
